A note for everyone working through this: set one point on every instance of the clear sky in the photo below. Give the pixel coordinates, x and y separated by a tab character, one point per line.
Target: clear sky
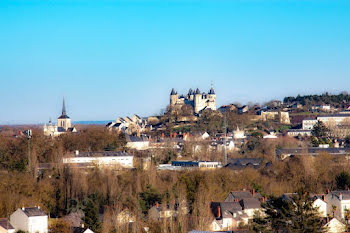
116	58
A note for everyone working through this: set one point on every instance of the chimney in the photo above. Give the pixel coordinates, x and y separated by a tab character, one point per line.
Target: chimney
39	207
340	196
327	191
23	208
324	197
157	204
253	192
82	225
76	152
219	212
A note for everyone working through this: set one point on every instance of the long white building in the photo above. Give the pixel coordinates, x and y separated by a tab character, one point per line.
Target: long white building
105	158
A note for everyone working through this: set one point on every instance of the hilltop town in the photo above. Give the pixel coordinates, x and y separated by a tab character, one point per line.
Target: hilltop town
196	167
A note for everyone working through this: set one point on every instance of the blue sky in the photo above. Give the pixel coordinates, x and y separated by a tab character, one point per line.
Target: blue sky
116	58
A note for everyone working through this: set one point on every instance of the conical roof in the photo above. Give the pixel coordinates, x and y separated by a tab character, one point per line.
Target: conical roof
211	91
173	92
198	91
64	114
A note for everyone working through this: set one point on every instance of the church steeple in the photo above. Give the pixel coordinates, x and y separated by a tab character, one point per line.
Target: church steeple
64	108
64	113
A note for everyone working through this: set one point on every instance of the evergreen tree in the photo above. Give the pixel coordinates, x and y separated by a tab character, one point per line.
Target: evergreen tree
91	211
320	130
295	215
343	180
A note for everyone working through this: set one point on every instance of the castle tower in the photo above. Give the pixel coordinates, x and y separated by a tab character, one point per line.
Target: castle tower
64	121
173	97
212	98
190	95
197	101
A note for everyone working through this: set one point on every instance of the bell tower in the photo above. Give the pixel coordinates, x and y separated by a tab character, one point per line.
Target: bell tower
64	121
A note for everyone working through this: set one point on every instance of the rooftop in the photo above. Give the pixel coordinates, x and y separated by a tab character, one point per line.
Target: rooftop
102	154
33	211
5	223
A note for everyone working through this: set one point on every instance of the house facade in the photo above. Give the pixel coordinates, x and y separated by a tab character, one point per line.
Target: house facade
338	202
31	220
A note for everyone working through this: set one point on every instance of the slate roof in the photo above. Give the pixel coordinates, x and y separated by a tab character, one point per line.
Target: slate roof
61	129
225	208
135	139
345	194
246	161
250	203
313	151
63	116
241	195
33	211
102	154
5	223
79	230
335	115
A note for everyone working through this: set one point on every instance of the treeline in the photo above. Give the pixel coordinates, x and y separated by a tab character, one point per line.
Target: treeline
335	100
14	149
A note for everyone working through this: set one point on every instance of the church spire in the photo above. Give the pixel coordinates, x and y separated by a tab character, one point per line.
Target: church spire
64	108
64	113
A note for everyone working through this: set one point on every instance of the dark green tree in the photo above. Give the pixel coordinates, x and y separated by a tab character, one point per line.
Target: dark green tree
148	198
320	130
91	212
294	214
343	180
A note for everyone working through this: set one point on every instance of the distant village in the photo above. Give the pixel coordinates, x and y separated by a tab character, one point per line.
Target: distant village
198	136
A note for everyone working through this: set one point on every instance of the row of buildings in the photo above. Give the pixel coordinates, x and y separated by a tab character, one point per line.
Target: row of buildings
339	123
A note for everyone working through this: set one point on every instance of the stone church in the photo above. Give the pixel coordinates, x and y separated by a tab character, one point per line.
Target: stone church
64	125
199	101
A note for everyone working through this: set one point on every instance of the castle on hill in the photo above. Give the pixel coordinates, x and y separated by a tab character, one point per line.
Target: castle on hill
64	125
199	101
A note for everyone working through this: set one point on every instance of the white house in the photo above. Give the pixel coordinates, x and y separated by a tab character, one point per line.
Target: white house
319	202
5	226
31	220
205	136
137	143
238	208
338	202
238	134
105	158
